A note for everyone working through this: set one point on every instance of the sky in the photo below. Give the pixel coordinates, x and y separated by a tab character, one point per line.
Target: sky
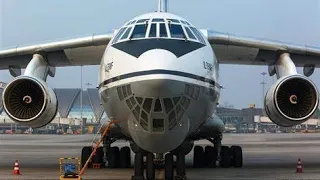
37	21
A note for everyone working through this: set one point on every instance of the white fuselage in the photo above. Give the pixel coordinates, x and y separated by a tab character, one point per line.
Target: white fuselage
160	88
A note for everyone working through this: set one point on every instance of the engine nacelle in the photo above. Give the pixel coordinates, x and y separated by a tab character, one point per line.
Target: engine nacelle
291	100
29	101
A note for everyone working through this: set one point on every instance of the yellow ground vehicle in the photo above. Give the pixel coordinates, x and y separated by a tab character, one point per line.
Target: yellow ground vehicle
69	168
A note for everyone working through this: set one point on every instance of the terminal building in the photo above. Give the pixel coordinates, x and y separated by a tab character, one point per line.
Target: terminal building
253	120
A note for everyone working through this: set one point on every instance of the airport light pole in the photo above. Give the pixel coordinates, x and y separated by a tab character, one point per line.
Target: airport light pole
221	88
263	83
88	85
81	120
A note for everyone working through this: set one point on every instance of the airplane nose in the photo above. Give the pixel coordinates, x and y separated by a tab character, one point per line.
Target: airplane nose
158	122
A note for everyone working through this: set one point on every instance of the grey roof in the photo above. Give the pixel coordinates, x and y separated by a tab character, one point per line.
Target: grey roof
66	98
95	103
85	100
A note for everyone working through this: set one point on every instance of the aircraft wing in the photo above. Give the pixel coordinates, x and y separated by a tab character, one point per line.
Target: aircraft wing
233	49
72	52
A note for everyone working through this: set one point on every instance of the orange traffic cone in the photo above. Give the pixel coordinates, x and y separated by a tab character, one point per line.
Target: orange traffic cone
16	170
299	166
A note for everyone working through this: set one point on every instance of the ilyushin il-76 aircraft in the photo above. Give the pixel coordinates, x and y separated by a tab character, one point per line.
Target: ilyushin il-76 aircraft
159	79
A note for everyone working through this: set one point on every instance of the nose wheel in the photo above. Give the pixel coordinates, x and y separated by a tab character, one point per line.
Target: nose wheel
168	165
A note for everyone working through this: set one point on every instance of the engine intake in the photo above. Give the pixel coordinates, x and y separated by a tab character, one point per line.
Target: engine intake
30	102
292	100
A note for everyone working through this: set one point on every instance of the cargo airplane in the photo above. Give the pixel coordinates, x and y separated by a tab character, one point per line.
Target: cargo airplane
159	78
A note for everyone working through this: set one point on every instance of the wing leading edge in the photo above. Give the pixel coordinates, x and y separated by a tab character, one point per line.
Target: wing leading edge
72	52
233	49
229	49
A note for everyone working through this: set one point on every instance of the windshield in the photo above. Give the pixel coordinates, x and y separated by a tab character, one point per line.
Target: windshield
159	28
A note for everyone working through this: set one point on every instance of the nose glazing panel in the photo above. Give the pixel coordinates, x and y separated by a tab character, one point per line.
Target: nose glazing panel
161	113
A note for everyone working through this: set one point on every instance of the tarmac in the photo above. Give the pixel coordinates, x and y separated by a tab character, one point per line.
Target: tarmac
266	156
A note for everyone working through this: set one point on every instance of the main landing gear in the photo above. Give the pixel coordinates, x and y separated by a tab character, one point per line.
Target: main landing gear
224	155
146	163
113	157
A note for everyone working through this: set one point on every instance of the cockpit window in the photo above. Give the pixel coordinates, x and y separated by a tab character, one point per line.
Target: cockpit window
142	20
158	20
118	35
191	36
139	31
198	34
176	31
153	30
163	30
185	22
174	20
126	34
159	28
132	22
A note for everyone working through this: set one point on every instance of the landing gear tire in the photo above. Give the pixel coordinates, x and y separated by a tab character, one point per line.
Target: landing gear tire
150	169
181	166
125	157
168	166
198	157
138	167
210	157
225	157
237	159
98	157
85	154
113	157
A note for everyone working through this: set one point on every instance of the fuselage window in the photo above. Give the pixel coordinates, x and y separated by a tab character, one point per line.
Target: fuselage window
176	31
158	20
139	31
118	35
174	20
142	20
126	34
191	36
163	30
198	34
153	30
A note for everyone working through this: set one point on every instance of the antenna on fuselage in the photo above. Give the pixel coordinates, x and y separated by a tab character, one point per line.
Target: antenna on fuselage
163	6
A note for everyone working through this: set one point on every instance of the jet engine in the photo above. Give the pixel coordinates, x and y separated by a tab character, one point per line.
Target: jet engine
291	100
29	101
